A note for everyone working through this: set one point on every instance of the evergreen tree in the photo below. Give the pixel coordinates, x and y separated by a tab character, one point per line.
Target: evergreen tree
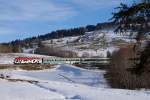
135	18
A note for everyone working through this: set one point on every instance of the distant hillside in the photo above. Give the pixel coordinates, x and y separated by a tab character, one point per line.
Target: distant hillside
16	45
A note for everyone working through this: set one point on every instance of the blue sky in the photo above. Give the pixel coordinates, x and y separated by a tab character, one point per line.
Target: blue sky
24	18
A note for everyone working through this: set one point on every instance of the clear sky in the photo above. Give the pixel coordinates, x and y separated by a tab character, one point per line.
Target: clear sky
24	18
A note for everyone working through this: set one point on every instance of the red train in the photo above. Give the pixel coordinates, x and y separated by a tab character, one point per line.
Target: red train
28	60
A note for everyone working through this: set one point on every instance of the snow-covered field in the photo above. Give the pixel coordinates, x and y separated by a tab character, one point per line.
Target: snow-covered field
63	73
64	82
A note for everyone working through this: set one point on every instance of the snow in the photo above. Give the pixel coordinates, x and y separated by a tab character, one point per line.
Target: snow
28	50
25	91
100	52
72	86
62	40
91	93
6	59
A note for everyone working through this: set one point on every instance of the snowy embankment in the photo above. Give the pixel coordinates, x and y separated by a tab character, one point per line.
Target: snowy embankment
64	82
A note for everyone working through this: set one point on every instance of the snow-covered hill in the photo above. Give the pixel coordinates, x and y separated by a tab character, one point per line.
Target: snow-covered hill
96	43
65	82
